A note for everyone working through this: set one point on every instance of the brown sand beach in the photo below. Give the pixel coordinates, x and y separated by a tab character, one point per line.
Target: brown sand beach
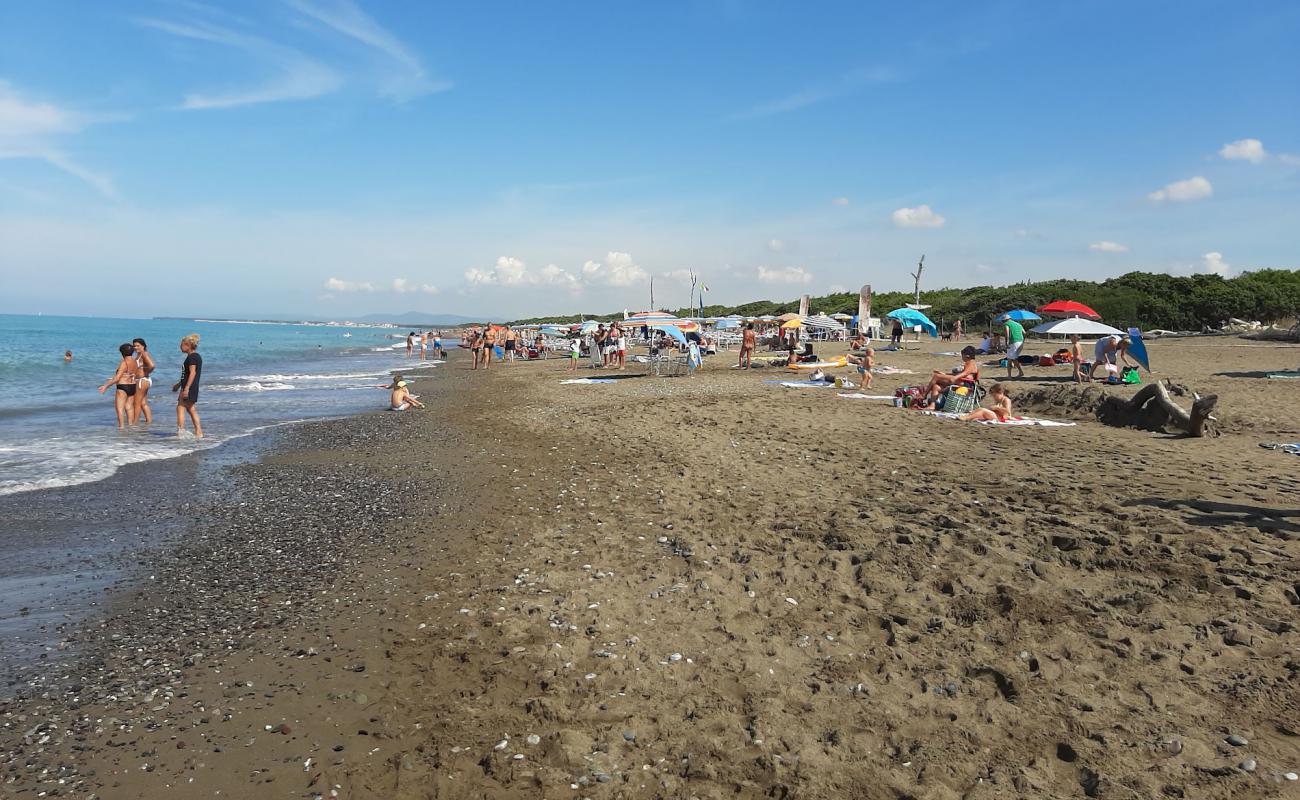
710	587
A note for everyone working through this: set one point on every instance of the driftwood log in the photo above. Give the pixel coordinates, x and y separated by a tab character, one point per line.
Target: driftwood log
1153	408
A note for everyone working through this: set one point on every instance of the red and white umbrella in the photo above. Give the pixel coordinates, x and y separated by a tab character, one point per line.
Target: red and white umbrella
1067	309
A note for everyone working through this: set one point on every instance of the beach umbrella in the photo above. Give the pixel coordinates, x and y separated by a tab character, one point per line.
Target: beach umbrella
792	325
788	317
1068	308
842	317
675	331
648	317
728	324
822	322
588	326
910	317
1020	315
1078	325
1137	349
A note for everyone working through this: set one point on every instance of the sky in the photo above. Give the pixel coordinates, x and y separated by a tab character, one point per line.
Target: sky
332	158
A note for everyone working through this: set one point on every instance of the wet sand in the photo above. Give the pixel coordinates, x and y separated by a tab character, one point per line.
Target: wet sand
711	587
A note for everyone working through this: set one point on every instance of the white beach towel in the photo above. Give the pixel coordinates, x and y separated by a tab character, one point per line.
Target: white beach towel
1017	421
861	396
588	380
888	370
803	384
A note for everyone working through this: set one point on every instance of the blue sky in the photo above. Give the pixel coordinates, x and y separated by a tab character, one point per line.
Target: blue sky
330	158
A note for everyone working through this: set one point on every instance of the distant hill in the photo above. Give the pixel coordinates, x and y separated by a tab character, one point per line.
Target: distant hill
419	318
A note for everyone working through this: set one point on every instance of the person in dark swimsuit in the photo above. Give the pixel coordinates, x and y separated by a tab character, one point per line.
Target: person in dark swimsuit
126	377
188	386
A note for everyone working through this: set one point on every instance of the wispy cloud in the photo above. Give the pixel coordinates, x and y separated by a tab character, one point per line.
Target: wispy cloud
28	129
845	84
346	18
298	76
1194	188
1108	247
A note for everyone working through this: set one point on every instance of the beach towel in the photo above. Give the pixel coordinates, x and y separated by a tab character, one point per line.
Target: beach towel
1293	449
589	380
839	362
803	384
861	396
1021	421
888	370
1285	375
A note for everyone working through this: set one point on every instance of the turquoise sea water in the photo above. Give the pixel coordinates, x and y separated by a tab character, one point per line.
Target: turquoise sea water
57	430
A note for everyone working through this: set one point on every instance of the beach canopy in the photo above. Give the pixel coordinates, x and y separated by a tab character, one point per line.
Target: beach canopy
910	317
1020	315
672	330
1078	325
822	322
1067	308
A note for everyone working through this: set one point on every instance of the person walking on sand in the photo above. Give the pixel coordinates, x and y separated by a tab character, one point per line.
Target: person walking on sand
126	378
475	345
512	343
620	346
1015	343
1076	358
187	387
575	353
864	365
748	341
490	338
598	347
437	345
424	345
956	331
896	334
145	383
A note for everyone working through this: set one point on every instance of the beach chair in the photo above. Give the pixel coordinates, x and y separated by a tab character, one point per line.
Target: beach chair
962	397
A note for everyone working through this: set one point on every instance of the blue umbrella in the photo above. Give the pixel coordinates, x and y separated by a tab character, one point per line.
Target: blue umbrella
910	317
1020	315
1137	349
671	330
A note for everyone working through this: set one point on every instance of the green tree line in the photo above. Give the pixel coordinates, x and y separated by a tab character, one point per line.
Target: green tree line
1143	299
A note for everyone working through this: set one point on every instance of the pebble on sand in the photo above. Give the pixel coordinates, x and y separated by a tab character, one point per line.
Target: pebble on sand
1237	741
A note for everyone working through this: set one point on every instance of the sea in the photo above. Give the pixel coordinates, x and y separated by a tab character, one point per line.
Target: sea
57	430
82	502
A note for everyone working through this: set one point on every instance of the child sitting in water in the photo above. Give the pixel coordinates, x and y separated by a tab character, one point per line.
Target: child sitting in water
999	411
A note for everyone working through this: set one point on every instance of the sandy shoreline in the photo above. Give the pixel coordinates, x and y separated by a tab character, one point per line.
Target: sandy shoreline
712	587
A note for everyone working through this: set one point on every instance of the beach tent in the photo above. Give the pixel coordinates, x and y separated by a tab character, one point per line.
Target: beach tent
910	317
1020	315
1137	349
1077	325
1067	308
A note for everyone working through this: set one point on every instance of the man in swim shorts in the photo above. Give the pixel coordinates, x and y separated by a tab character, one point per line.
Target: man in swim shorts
1106	352
1015	343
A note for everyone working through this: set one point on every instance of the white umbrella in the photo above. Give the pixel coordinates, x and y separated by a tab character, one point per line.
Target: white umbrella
1077	325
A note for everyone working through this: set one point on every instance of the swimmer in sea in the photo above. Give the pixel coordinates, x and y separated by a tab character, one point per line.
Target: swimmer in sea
67	356
126	377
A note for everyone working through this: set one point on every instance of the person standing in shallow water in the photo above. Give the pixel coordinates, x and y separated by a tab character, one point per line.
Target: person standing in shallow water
188	386
126	377
145	383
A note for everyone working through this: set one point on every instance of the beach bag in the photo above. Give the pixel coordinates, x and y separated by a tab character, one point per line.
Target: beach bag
1062	357
908	396
1130	375
1046	361
961	398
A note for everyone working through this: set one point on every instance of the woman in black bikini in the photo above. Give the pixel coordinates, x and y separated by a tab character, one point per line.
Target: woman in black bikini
126	377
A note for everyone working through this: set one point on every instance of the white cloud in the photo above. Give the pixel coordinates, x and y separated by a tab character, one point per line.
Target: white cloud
26	129
617	269
403	286
1289	159
298	77
1251	150
1194	188
920	217
1214	264
344	17
511	271
340	285
840	201
845	84
775	245
1108	247
796	275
